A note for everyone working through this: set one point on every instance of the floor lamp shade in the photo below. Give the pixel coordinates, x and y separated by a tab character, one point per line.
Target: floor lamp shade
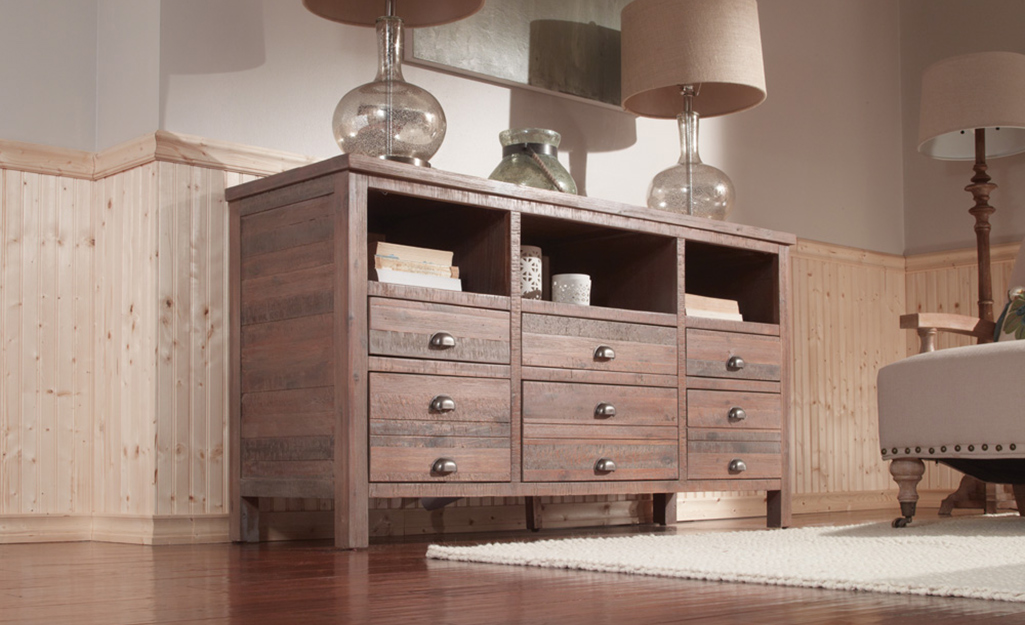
688	59
390	118
963	93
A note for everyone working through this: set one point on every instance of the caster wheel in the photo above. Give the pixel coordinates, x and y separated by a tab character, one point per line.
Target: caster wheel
900	522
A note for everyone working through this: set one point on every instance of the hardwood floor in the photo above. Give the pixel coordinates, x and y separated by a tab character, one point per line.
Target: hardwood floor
310	582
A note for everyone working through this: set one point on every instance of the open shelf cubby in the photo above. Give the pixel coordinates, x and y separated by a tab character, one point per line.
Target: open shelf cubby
629	270
478	236
748	276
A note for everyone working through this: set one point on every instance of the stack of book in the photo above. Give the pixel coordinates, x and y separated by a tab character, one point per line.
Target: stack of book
712	307
416	266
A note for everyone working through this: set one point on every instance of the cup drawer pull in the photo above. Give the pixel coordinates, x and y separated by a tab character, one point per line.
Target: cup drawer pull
737	466
604	352
737	414
443	403
442	340
443	466
605	465
604	410
735	363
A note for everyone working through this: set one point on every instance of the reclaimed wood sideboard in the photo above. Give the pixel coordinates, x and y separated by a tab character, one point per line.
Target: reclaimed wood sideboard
347	389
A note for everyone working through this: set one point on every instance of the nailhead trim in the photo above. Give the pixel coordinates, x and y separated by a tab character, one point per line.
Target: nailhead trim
943	449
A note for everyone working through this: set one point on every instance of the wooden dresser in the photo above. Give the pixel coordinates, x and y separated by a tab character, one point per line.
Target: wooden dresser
345	388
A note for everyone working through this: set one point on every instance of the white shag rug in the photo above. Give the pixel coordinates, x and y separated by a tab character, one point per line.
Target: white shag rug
980	557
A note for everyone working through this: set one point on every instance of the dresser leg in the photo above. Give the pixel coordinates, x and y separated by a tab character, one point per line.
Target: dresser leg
249	519
777	509
533	509
664	508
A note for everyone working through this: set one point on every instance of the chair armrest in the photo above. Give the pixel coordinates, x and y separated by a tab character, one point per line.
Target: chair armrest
928	324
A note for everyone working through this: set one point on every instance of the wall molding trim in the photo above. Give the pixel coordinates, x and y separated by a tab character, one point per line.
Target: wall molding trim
833	253
133	529
45	159
161	146
160	530
44	528
966	257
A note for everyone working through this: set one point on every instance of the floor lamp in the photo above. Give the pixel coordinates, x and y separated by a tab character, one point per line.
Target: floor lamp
973	108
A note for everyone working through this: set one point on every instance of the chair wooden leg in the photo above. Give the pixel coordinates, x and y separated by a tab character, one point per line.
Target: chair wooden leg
1019	497
970	493
907	472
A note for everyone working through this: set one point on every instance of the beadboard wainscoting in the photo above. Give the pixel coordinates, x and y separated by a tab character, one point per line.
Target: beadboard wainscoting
948	282
113	370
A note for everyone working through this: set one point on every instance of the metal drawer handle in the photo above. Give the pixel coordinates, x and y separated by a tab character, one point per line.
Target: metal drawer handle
737	466
737	414
735	363
443	403
444	466
604	352
443	340
604	410
605	465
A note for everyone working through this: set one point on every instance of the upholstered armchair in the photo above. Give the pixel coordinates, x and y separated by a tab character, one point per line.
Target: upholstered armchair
964	406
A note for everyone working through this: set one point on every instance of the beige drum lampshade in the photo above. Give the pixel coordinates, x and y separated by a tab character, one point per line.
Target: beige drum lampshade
962	93
414	13
712	43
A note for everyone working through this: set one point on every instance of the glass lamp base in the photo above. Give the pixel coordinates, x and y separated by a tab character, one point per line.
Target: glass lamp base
692	189
390	118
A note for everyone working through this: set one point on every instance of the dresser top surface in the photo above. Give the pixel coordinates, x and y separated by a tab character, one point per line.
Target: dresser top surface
375	168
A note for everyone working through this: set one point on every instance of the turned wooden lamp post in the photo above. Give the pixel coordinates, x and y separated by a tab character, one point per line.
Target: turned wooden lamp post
973	107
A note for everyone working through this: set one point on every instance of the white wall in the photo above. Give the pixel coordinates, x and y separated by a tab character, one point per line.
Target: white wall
48	72
935	203
820	158
128	70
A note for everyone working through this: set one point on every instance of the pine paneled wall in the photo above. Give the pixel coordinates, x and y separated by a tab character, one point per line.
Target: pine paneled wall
113	371
47	346
949	282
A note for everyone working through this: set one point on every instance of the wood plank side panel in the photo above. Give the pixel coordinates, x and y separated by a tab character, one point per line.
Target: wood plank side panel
292	316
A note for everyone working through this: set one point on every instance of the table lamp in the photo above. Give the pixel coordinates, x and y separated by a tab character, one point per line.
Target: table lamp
390	118
973	107
687	59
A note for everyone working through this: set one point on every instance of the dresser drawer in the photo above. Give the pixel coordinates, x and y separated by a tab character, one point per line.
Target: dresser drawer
557	409
733	355
734	409
438	331
440	464
717	455
599	460
419	420
592	344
